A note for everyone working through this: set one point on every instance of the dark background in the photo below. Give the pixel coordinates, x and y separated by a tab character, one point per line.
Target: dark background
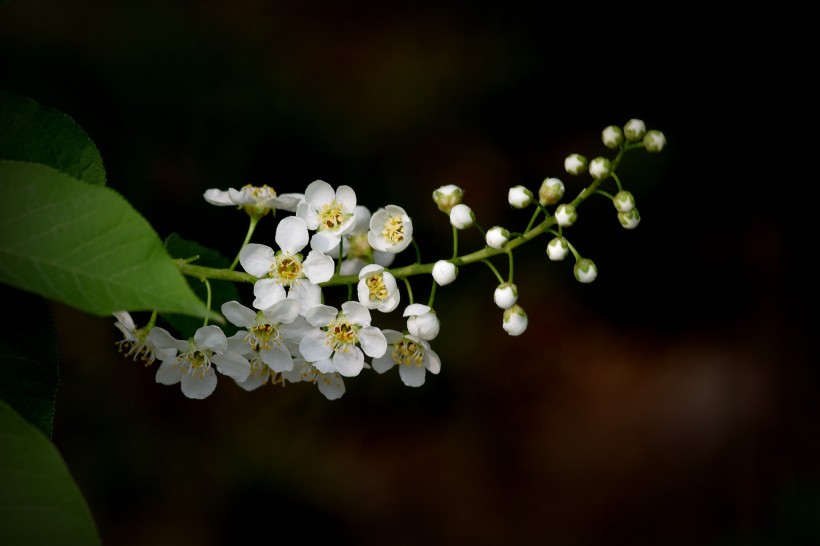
672	401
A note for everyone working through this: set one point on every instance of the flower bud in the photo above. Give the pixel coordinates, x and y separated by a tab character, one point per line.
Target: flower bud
600	167
557	249
613	136
575	164
422	321
444	272
623	201
515	320
505	295
497	237
446	197
519	197
634	130
551	191
654	141
585	270
461	216
565	214
629	219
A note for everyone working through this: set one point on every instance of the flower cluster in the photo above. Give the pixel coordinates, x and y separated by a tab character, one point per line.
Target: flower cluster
290	334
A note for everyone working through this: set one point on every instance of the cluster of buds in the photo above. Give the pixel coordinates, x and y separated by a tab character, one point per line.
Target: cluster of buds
324	238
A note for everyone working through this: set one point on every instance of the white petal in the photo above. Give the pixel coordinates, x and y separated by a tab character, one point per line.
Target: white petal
282	312
306	294
318	193
278	358
169	373
412	376
211	337
268	292
257	259
433	362
163	340
291	234
347	198
331	385
325	241
368	269
415	309
321	315
349	363
324	365
238	314
372	341
124	318
356	313
318	267
199	386
314	346
233	365
218	197
288	201
254	381
383	363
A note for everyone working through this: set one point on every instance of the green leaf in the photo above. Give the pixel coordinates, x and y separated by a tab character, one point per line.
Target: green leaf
28	351
39	500
84	246
221	291
34	133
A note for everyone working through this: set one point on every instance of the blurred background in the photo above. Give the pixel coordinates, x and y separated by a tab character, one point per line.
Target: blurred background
672	401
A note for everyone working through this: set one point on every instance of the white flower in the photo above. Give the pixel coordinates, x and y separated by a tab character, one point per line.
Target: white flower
557	249
505	295
331	213
585	270
444	272
413	355
634	130
497	236
630	219
334	344
285	268
575	164
551	191
391	230
654	141
258	200
377	289
330	384
519	197
446	197
613	136
190	362
136	342
263	330
565	215
422	321
515	320
461	216
600	167
624	201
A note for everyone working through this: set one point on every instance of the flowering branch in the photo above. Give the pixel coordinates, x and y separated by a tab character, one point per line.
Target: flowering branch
290	334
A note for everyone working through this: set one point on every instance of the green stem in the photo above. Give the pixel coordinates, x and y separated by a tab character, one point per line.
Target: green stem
251	229
494	270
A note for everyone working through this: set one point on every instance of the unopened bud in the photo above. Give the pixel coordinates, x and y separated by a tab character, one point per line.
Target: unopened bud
630	219
575	164
515	320
634	130
505	295
585	270
557	249
565	214
613	136
519	197
497	237
551	191
600	167
446	197
654	141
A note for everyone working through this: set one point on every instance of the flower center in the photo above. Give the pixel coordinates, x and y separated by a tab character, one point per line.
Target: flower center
393	231
331	216
263	337
288	268
260	193
341	335
408	353
378	290
195	361
137	350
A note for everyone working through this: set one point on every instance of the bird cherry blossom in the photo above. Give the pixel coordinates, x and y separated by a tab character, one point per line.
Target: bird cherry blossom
328	212
284	269
413	355
191	362
340	339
